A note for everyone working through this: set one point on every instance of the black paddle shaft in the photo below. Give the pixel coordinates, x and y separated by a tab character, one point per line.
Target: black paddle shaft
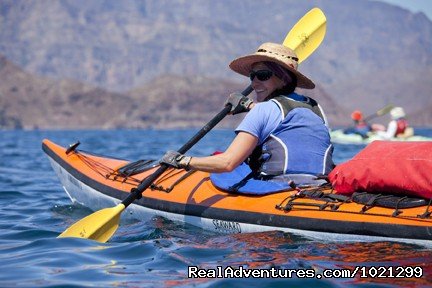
136	193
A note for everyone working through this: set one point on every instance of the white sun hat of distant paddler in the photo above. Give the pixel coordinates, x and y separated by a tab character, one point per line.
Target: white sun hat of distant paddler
397	112
273	52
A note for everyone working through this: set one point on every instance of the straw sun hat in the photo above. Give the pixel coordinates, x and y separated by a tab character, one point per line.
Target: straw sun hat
273	52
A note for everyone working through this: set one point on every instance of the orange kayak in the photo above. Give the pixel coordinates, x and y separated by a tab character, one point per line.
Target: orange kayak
99	182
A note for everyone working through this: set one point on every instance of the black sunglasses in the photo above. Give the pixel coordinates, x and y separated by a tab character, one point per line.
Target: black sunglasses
262	75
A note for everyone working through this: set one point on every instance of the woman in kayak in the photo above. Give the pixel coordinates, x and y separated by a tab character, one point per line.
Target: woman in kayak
285	134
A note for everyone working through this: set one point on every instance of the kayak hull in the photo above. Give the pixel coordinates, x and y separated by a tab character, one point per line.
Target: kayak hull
196	201
339	137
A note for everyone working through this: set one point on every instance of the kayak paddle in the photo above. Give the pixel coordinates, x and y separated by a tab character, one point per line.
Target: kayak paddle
101	225
380	112
306	35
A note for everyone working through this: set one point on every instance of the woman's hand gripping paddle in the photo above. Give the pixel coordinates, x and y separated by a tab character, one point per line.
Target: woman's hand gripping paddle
304	38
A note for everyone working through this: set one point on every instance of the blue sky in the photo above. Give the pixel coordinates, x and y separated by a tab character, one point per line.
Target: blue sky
424	6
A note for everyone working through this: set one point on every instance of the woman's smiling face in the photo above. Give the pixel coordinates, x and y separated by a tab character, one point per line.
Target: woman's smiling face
264	88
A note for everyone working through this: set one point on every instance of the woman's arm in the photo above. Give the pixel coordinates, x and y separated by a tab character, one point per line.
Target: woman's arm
390	132
241	147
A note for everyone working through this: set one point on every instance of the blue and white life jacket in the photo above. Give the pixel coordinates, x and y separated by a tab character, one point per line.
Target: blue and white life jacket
300	146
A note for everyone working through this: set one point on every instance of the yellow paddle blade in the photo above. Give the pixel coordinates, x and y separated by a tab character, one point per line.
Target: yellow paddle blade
380	112
307	34
385	110
99	226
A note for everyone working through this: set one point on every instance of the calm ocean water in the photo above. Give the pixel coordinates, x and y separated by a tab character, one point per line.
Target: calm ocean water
35	209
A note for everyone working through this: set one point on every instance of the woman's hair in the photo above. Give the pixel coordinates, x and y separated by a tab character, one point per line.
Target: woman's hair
285	75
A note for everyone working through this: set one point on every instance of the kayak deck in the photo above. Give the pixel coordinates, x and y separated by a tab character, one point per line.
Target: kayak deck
95	182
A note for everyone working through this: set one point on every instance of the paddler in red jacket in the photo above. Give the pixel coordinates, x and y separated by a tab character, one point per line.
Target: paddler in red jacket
398	126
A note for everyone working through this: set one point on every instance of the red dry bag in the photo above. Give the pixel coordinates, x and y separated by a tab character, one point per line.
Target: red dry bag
386	167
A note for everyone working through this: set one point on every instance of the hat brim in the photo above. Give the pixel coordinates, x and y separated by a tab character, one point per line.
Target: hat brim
243	66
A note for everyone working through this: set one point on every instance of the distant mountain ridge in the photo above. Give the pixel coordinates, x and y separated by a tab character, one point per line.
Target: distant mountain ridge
33	102
373	54
30	102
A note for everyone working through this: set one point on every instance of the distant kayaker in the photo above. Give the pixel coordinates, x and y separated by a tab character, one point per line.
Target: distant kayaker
285	136
398	126
361	126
